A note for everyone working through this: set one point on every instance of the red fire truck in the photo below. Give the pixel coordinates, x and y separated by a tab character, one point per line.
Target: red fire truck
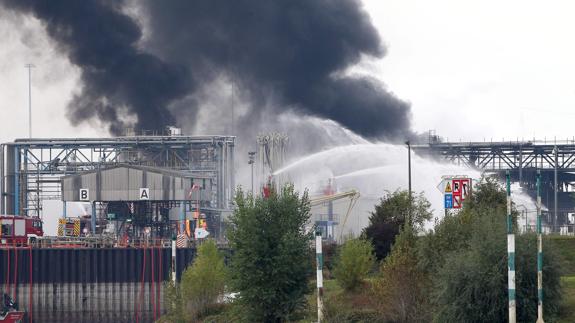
19	229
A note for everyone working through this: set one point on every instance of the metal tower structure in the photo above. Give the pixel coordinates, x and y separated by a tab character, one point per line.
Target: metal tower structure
272	154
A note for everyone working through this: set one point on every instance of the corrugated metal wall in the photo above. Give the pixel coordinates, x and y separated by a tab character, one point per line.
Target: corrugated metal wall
124	183
90	285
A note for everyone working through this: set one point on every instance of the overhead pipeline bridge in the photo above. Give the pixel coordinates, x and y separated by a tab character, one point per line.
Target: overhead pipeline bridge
555	160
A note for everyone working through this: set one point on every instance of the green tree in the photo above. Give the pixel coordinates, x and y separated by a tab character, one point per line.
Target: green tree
201	286
472	284
172	303
400	290
454	230
271	260
466	257
204	281
354	261
390	216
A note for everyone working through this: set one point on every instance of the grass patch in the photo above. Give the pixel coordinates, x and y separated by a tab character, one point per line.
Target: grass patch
342	306
565	247
568	304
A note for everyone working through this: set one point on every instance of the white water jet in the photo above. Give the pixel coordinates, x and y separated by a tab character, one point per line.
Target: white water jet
373	169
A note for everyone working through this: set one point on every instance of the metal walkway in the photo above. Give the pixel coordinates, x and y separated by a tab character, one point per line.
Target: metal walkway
555	160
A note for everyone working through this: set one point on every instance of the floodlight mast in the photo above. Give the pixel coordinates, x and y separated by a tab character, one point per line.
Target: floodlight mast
29	67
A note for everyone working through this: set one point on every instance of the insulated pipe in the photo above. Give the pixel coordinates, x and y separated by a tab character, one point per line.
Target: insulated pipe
510	255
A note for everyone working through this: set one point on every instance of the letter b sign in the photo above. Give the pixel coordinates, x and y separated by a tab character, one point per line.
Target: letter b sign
84	194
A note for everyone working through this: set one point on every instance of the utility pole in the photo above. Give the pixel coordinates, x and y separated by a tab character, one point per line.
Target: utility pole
319	277
251	161
174	261
29	67
233	108
510	255
539	253
409	181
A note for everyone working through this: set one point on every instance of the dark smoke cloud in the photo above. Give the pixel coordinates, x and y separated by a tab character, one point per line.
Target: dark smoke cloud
116	76
295	50
290	48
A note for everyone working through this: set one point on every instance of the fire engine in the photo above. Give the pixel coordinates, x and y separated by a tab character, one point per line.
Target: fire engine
19	229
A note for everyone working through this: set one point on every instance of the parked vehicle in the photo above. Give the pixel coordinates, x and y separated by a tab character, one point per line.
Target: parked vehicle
18	230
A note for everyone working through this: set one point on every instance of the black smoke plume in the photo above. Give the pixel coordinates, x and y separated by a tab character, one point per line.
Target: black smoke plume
117	77
296	50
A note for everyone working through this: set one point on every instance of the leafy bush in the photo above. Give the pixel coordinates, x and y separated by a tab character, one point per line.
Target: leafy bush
338	310
172	303
466	256
354	261
271	259
400	289
204	281
201	287
390	216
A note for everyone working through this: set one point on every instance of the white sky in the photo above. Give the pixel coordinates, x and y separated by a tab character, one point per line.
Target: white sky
471	69
481	69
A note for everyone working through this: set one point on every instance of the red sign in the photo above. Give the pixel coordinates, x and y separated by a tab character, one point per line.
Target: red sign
461	188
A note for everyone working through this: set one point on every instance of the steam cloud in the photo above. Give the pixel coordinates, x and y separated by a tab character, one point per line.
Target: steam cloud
295	50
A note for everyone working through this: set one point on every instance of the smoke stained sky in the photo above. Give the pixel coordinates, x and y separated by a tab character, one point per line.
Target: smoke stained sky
470	71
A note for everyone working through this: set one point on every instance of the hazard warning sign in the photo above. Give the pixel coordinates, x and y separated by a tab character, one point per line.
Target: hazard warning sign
455	190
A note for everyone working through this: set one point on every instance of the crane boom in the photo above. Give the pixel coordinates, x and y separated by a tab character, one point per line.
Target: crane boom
353	196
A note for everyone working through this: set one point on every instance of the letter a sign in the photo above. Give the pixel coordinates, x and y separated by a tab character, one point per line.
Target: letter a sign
144	193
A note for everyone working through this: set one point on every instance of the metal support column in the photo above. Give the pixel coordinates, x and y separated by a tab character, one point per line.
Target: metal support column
182	218
555	187
319	275
174	272
232	177
539	254
2	189
510	256
93	218
16	181
520	166
409	181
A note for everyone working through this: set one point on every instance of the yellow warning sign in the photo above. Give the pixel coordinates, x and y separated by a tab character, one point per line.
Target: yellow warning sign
448	187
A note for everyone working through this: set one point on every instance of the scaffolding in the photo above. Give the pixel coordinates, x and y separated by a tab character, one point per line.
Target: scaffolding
272	154
31	169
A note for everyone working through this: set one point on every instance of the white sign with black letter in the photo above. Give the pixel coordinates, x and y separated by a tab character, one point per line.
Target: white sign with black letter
144	193
84	194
